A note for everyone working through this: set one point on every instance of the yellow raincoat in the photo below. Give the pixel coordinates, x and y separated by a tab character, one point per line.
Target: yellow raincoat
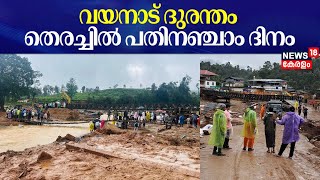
250	124
296	105
148	116
91	126
219	129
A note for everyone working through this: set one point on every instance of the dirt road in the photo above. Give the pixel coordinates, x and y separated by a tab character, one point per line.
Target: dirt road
239	164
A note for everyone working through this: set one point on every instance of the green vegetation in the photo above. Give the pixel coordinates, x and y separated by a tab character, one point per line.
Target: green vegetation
172	93
16	78
72	87
308	80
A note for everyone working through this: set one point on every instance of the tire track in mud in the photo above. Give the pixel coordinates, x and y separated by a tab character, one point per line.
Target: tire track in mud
236	164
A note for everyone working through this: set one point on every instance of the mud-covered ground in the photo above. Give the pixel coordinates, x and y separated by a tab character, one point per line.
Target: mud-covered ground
146	154
5	121
239	164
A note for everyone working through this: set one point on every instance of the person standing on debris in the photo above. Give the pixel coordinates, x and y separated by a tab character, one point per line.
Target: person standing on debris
270	129
102	124
195	120
29	115
229	127
97	125
91	126
181	120
262	111
249	128
143	119
148	116
296	105
136	126
109	115
219	128
305	112
299	110
292	123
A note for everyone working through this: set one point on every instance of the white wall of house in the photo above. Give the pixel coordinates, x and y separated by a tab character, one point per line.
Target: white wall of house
209	84
269	88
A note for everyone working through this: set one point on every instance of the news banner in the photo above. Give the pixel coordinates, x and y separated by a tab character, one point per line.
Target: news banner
299	60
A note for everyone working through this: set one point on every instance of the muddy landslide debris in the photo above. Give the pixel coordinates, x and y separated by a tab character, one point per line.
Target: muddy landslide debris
43	156
67	138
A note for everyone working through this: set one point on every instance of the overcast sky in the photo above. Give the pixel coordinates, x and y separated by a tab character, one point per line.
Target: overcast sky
107	70
243	60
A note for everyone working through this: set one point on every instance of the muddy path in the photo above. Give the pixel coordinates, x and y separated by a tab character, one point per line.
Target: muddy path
239	164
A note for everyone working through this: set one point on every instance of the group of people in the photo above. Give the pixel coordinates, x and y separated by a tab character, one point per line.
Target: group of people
19	114
222	129
96	124
139	119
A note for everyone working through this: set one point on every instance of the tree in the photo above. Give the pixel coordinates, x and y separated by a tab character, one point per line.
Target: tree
124	86
97	89
83	89
51	90
198	87
153	87
63	88
46	90
16	77
72	87
56	90
34	91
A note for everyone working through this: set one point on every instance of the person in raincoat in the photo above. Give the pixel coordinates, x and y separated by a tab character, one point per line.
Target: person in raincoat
296	105
262	111
148	116
181	120
102	124
291	122
218	133
249	128
270	129
91	126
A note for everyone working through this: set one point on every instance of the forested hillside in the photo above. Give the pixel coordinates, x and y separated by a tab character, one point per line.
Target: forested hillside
308	80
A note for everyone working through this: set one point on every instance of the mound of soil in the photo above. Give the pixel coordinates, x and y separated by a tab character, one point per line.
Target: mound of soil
65	114
110	129
43	156
67	138
310	131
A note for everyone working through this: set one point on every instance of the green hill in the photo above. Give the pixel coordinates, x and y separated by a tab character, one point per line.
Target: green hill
128	96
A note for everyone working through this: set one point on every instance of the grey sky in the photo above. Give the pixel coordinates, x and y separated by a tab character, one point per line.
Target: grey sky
243	60
107	70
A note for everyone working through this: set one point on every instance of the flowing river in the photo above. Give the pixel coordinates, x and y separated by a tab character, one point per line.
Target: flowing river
17	138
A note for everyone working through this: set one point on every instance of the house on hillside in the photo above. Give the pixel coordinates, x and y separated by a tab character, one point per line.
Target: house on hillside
234	84
274	86
206	79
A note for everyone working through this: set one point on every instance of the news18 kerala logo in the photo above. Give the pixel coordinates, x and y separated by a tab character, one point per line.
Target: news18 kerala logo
299	60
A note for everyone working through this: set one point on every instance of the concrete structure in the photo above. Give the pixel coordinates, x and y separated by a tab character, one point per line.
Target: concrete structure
234	82
206	79
268	85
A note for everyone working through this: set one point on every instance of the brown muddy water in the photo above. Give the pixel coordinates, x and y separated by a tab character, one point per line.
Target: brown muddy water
18	138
